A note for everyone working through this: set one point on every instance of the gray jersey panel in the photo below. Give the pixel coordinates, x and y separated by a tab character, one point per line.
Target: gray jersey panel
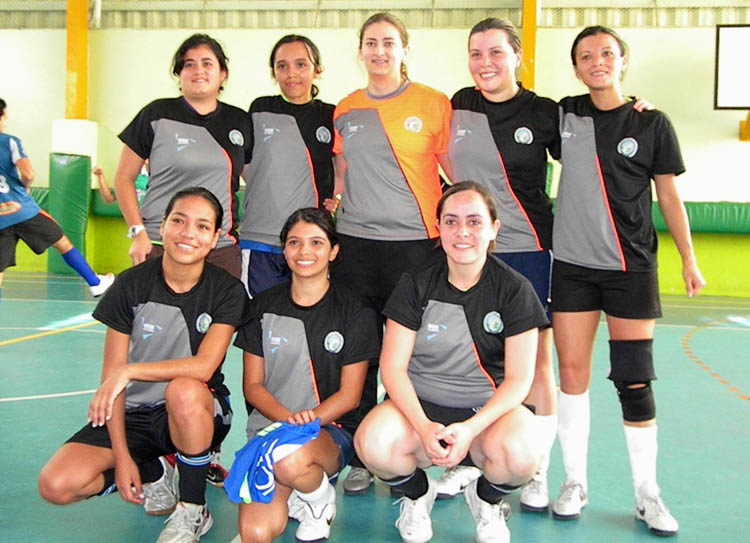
444	368
475	157
377	202
182	156
582	232
279	179
159	333
288	370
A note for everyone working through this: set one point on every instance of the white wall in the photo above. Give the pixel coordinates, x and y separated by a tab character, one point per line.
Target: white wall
673	68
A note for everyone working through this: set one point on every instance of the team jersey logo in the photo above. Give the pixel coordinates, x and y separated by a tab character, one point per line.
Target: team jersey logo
351	129
182	142
461	133
323	135
149	329
413	124
236	137
202	323
6	208
269	132
276	341
627	147
434	328
492	323
523	135
333	342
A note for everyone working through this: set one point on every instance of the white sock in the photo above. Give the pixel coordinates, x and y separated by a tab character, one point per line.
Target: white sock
574	418
547	431
642	451
317	495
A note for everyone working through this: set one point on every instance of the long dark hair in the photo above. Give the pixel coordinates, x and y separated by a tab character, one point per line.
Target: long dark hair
178	62
201	193
312	51
312	215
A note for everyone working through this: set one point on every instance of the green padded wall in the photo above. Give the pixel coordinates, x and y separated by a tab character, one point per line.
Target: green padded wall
69	196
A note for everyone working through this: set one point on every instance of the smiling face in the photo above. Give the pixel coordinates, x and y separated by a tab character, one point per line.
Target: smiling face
294	71
308	251
382	51
493	64
201	74
599	62
189	231
466	228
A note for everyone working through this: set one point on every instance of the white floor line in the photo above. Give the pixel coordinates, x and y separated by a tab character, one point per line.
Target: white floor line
46	396
70	321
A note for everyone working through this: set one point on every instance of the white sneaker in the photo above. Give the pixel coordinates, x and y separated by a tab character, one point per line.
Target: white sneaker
296	507
187	524
105	281
570	501
315	521
160	497
535	495
455	479
357	481
489	518
651	509
413	522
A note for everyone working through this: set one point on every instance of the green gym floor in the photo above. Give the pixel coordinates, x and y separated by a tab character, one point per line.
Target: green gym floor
50	352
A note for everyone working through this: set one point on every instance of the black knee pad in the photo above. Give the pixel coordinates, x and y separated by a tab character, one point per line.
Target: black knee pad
631	361
637	403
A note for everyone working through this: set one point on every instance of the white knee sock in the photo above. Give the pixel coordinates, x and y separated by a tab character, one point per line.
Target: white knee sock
547	428
317	495
642	451
573	432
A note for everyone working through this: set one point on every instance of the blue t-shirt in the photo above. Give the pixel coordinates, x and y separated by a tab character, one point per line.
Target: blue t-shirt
15	203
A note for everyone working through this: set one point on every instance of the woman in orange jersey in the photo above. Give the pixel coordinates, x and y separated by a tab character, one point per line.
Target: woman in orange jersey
388	140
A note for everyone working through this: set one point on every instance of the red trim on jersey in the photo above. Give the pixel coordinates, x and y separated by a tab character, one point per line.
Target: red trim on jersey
623	267
481	368
518	203
47	215
312	379
230	195
312	175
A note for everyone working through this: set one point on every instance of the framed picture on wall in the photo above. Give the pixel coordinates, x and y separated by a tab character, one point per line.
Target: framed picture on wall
732	76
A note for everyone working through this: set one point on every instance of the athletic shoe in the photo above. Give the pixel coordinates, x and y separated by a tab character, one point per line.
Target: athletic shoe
534	495
297	509
357	481
570	501
187	524
413	522
216	472
651	509
489	518
160	497
455	479
105	281
315	524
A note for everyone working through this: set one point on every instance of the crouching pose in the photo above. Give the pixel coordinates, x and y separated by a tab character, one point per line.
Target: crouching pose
169	323
457	361
306	350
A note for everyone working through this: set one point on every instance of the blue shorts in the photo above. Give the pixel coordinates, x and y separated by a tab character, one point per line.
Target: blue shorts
536	266
262	269
344	441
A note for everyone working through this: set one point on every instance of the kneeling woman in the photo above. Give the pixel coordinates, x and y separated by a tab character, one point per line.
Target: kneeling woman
306	350
457	361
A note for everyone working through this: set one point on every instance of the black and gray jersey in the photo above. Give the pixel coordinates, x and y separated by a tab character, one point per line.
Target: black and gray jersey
291	165
186	149
304	348
164	325
503	146
603	210
459	352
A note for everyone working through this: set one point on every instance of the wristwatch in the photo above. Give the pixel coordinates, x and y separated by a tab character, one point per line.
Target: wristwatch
134	230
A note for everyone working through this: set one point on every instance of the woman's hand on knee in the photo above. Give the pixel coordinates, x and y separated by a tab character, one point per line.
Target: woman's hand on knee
100	406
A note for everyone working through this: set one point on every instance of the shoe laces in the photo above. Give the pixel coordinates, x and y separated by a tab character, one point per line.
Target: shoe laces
411	510
181	521
571	490
653	505
536	486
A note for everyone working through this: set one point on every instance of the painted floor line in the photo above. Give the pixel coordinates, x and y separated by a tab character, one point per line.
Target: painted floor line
46	396
48	333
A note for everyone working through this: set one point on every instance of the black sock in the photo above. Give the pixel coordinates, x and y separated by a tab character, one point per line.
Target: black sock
193	469
412	486
151	470
491	492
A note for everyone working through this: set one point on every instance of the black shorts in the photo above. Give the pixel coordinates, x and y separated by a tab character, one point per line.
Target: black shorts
147	431
371	268
39	233
628	295
536	266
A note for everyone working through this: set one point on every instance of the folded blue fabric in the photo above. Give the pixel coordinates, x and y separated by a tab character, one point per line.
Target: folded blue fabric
251	478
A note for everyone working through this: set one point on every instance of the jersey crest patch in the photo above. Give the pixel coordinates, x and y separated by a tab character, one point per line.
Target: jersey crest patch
523	135
492	323
323	135
333	342
627	147
202	323
236	137
413	124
